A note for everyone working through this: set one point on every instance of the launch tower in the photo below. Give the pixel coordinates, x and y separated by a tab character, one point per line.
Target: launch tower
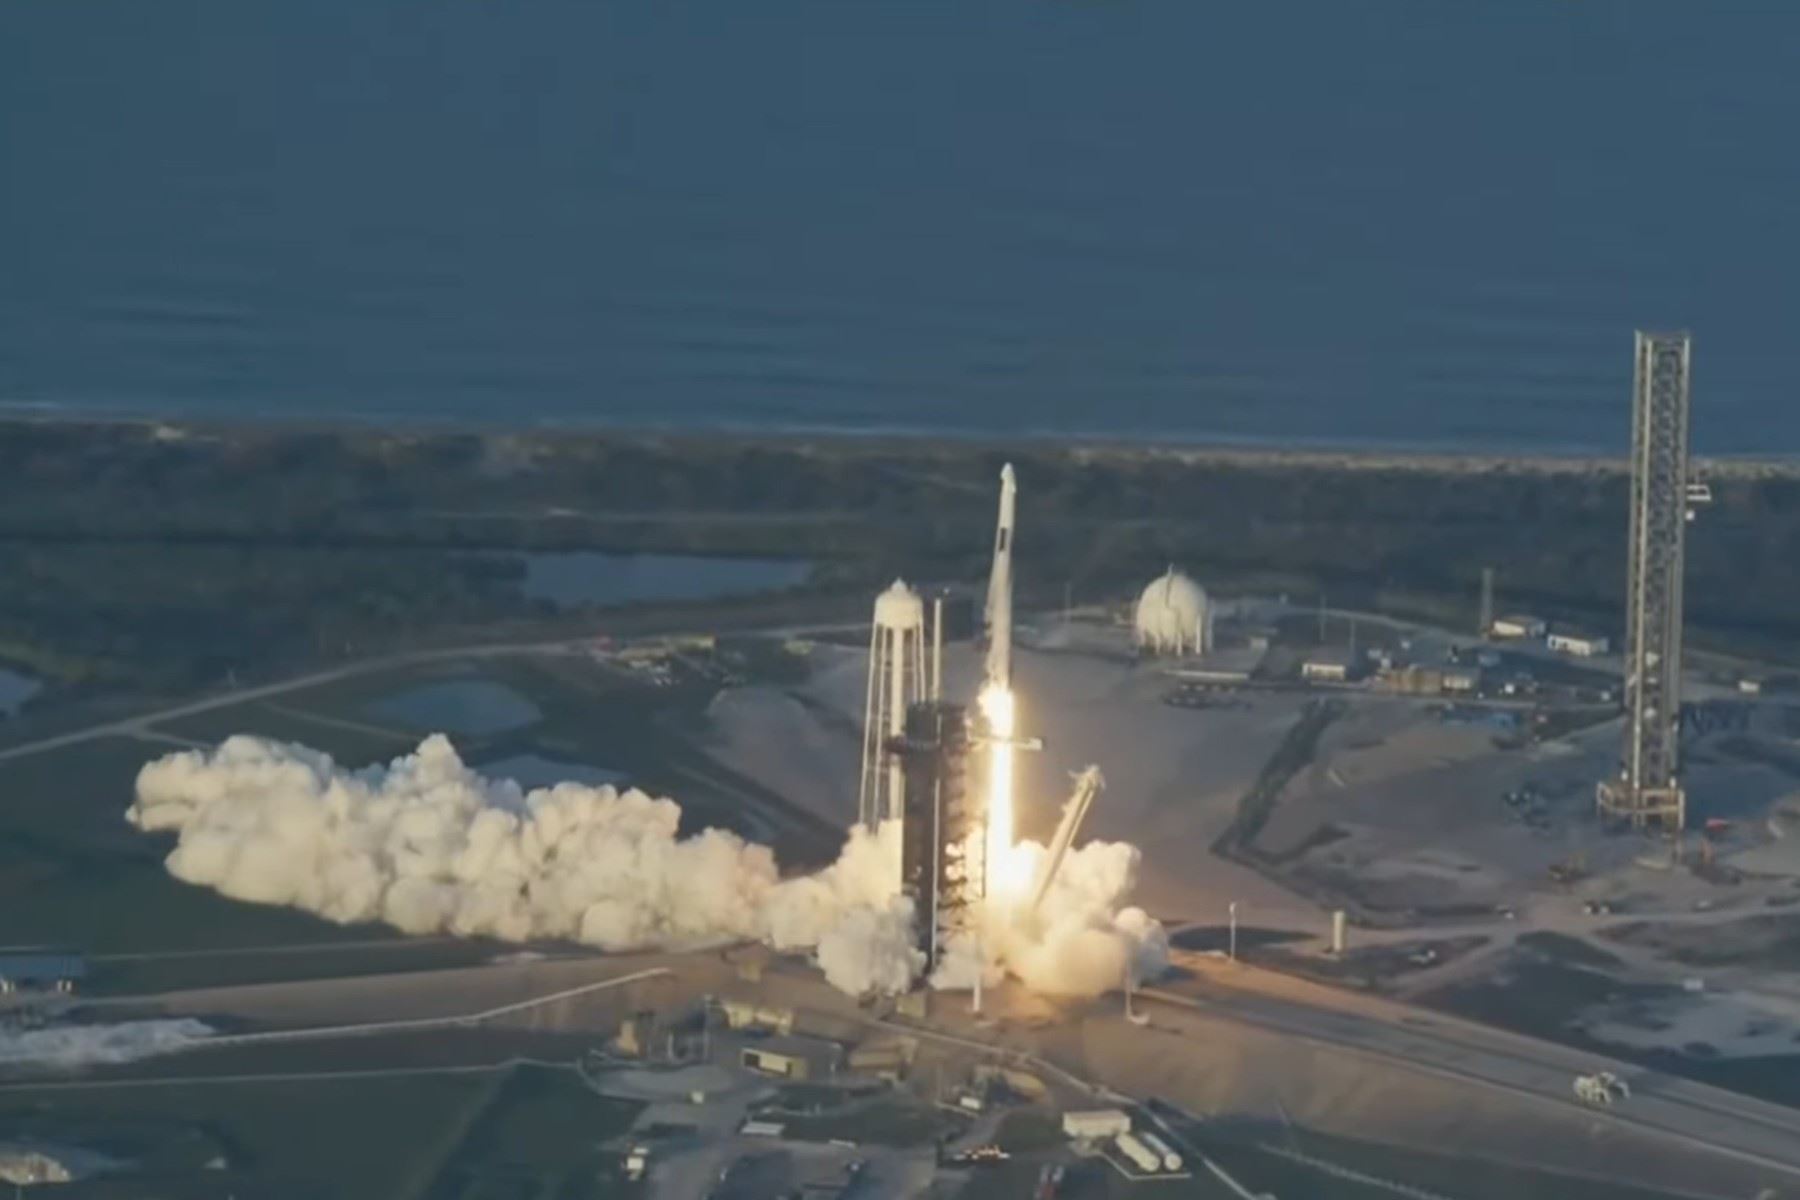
942	860
1647	789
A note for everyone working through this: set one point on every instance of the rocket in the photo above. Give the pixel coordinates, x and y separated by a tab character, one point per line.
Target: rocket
999	596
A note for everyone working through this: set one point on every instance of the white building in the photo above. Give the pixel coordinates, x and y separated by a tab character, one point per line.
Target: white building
1095	1125
1327	666
1174	616
1581	645
1461	680
1518	625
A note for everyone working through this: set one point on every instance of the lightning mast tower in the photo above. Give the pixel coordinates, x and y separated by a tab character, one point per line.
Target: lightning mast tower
1647	790
897	681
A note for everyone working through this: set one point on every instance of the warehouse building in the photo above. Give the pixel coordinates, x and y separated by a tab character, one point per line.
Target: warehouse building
1518	625
36	970
793	1057
1329	666
1581	645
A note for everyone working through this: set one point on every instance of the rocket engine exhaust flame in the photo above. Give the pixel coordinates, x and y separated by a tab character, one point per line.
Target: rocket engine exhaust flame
1005	876
1005	879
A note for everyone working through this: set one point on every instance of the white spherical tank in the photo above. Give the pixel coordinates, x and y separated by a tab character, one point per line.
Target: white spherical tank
1174	616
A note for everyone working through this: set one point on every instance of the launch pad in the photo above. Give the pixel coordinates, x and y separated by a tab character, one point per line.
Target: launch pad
956	841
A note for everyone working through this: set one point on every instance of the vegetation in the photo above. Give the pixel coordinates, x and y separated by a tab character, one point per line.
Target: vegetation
364	1138
152	558
544	1133
1026	1130
73	872
893	1122
1290	758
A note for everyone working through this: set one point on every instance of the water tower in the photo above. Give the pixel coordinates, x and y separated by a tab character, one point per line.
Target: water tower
897	681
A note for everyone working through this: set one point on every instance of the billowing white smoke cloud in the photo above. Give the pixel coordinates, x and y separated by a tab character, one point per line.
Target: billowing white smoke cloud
70	1046
428	845
1082	941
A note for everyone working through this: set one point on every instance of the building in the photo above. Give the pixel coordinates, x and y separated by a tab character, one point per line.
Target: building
35	970
1224	676
1174	616
1581	645
747	1014
1095	1125
793	1057
1461	681
1329	666
888	1057
1413	680
1647	788
1518	625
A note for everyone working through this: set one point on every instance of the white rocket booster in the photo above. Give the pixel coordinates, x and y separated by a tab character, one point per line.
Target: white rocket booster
999	596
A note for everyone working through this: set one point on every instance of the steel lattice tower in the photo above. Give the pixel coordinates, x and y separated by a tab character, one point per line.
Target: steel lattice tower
1648	788
944	833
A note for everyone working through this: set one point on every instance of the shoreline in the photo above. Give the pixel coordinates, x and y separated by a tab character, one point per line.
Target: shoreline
1084	448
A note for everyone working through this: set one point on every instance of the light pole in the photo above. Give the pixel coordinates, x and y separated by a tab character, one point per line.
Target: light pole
1232	909
1131	1015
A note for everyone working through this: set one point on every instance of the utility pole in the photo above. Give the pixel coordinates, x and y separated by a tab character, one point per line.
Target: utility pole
1233	911
1487	602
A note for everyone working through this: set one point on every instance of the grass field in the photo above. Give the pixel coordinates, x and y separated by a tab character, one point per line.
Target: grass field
543	1133
139	975
884	1123
1463	1178
369	1138
285	720
73	872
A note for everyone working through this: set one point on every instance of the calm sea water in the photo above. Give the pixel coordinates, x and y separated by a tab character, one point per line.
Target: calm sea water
1321	221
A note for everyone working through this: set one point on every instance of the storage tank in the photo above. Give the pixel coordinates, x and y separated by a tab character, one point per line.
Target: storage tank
1137	1152
1171	1161
1173	616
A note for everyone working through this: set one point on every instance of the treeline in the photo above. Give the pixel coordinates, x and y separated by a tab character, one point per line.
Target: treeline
199	548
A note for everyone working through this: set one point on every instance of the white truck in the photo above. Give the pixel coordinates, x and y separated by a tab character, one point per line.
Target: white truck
1601	1089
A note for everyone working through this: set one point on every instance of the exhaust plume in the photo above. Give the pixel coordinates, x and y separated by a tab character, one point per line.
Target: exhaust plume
428	845
70	1047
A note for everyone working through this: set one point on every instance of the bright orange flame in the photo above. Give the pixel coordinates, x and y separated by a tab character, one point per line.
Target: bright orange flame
1005	869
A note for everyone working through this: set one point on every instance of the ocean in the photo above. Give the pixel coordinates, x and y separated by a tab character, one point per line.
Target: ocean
1385	223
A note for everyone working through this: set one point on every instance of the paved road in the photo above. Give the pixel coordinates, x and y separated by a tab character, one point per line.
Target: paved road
143	723
1752	1131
